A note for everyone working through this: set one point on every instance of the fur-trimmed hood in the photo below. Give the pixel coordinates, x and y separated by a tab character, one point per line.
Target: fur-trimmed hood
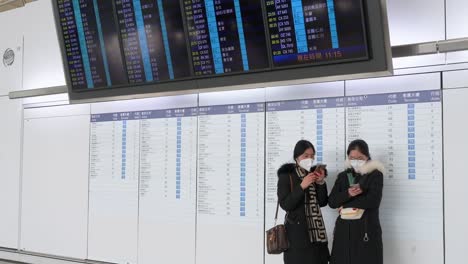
287	168
368	167
290	168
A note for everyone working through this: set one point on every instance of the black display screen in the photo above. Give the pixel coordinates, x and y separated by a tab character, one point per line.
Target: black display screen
226	36
305	32
153	40
113	43
123	47
91	43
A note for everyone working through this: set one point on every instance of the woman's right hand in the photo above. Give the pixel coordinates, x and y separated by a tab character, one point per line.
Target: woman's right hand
308	180
354	191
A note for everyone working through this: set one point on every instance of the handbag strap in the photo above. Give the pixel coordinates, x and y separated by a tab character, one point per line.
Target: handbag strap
277	204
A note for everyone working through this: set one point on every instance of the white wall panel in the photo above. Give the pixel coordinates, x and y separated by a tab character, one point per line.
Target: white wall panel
419	61
416	82
55	182
457	57
455	79
455	144
457	19
10	147
42	59
416	21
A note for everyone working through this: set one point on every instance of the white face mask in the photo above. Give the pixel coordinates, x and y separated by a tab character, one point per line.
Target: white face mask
306	164
357	164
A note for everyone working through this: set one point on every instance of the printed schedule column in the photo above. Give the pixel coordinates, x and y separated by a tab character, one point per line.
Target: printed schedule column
404	131
230	182
225	36
168	183
113	187
321	121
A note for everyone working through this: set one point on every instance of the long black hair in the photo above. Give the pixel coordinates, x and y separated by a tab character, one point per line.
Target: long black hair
359	145
301	147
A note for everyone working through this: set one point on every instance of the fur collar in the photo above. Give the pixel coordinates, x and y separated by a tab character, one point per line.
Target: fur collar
290	168
367	168
287	168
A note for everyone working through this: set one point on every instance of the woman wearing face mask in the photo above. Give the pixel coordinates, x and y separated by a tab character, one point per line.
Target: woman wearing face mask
358	193
305	227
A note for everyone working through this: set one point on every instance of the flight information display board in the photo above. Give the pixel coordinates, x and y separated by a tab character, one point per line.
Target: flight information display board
153	40
226	36
92	48
304	32
110	44
143	46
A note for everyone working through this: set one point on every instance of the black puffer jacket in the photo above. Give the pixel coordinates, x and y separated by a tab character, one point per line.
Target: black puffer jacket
293	202
358	241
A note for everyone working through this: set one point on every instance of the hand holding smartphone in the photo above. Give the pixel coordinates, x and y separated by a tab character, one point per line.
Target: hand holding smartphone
320	168
320	173
355	190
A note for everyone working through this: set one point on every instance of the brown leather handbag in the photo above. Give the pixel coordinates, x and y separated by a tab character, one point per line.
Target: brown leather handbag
276	237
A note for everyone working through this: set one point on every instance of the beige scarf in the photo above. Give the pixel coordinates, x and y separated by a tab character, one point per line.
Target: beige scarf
315	223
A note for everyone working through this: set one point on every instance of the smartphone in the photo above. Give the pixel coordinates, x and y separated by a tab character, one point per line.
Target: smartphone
320	167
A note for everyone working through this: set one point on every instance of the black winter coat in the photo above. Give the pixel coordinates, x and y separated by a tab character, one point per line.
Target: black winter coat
349	244
301	250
